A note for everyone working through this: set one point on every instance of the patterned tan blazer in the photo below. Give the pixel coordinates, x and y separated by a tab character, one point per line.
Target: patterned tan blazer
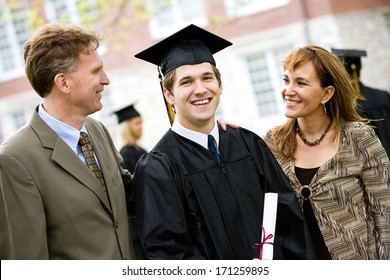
350	195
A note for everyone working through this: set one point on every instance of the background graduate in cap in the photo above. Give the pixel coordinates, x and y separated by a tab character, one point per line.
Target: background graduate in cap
199	193
373	104
130	121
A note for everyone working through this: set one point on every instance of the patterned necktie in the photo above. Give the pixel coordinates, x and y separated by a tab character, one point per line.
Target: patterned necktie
87	149
213	148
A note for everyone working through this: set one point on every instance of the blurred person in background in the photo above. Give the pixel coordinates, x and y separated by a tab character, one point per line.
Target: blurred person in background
130	121
373	104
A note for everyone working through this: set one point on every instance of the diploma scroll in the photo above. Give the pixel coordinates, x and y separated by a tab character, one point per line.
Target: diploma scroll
268	228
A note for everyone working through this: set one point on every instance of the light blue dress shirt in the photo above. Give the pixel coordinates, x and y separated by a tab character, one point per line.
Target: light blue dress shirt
69	134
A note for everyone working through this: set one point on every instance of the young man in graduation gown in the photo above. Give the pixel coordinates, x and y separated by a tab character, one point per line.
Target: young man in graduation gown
191	203
373	104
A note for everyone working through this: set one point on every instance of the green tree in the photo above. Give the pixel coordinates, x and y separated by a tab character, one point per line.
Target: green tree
111	17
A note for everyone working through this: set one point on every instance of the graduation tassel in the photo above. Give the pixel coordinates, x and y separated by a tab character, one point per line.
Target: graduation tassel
171	115
356	82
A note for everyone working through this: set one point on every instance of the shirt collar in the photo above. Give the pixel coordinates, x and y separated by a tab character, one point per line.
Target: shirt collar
195	136
68	134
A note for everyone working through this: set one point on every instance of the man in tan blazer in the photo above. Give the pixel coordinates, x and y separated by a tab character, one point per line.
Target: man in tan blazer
51	205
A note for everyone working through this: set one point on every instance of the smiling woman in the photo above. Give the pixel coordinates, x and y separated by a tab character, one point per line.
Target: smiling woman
333	158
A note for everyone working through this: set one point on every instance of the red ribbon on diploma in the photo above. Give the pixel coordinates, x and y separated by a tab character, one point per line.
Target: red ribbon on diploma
264	241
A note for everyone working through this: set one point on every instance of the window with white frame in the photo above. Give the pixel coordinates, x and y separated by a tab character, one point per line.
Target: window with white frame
13	120
81	11
58	10
387	20
13	34
19	118
14	29
266	72
240	8
170	15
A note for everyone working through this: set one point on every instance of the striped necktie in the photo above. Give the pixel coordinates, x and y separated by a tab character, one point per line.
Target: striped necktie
87	149
212	145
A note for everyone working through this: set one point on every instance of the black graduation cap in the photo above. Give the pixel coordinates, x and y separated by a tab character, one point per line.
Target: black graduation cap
352	63
127	113
351	59
190	45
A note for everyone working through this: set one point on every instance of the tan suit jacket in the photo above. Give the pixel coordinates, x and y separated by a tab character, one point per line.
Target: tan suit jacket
52	206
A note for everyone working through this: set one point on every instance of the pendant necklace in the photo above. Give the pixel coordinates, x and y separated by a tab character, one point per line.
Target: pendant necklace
316	142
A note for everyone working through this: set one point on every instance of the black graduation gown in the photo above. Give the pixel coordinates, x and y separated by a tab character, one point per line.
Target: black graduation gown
130	156
376	106
188	207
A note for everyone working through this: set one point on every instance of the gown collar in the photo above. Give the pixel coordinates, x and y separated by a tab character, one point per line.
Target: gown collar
194	136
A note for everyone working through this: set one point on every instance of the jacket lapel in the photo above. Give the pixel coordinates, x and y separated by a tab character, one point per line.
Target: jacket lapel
64	156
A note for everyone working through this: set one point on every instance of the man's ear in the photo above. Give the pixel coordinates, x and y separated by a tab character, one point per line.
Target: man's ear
61	82
169	97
